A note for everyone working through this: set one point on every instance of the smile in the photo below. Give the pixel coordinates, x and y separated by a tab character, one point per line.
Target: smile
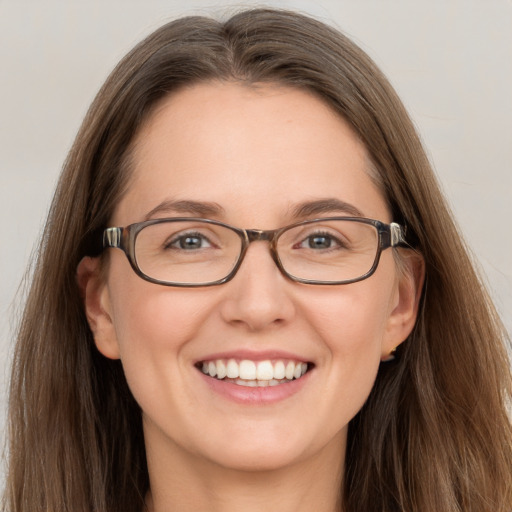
254	373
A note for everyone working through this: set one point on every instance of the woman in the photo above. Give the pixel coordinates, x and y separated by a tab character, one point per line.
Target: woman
295	322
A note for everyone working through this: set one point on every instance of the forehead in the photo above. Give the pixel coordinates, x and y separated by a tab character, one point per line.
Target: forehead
247	148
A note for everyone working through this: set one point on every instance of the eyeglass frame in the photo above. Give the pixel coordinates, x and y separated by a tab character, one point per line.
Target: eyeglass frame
389	235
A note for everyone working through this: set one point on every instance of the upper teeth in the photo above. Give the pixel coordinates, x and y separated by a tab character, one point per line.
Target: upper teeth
252	370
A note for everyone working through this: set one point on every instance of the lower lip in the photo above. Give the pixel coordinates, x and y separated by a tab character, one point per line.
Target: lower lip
256	395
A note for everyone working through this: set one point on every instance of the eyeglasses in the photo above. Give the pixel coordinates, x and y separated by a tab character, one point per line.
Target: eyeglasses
202	252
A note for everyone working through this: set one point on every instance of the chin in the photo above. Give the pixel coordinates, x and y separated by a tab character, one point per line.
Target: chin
257	460
262	452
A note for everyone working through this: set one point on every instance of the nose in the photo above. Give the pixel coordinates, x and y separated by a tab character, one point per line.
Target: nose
259	296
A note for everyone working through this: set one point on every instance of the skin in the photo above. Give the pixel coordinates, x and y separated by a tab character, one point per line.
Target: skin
257	152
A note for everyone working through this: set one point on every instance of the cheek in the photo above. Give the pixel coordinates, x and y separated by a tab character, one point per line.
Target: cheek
157	328
349	317
147	315
351	321
156	317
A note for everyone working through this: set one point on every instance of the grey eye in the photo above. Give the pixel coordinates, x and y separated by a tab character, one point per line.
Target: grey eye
189	241
319	242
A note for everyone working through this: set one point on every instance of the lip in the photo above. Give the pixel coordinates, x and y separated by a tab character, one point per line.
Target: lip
258	395
253	355
255	396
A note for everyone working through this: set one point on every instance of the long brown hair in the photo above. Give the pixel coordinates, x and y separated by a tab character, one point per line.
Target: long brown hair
434	434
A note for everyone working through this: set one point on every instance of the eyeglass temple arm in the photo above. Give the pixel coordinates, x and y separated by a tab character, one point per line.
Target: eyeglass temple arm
112	237
396	235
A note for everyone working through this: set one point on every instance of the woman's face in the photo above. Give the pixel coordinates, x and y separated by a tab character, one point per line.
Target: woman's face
250	157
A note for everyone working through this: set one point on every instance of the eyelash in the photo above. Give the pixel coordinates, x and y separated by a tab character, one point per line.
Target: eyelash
182	236
325	234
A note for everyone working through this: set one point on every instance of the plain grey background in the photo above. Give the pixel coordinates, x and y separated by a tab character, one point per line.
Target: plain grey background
450	60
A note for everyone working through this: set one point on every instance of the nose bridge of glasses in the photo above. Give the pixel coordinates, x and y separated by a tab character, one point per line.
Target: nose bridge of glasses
258	235
261	235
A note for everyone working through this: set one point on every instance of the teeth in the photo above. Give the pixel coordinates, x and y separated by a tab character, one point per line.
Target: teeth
279	370
290	370
255	374
232	369
247	370
221	369
264	371
247	383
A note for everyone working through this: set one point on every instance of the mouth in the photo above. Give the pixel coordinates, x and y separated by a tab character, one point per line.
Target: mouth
250	373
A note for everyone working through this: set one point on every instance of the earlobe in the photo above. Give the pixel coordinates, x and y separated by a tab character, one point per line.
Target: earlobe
405	311
96	299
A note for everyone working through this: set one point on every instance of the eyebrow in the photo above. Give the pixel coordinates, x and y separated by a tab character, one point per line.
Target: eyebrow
329	205
186	207
209	209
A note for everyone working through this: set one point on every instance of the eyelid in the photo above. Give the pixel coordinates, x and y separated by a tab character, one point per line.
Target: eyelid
175	237
316	228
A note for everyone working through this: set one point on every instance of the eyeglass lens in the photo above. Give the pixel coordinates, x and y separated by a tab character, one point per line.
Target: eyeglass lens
198	252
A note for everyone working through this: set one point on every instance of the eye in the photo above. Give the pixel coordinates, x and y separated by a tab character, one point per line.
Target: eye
188	241
319	241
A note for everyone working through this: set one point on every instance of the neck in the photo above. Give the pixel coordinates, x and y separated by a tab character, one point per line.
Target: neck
188	483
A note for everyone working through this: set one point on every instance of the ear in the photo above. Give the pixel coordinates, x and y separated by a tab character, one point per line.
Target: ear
98	310
406	303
